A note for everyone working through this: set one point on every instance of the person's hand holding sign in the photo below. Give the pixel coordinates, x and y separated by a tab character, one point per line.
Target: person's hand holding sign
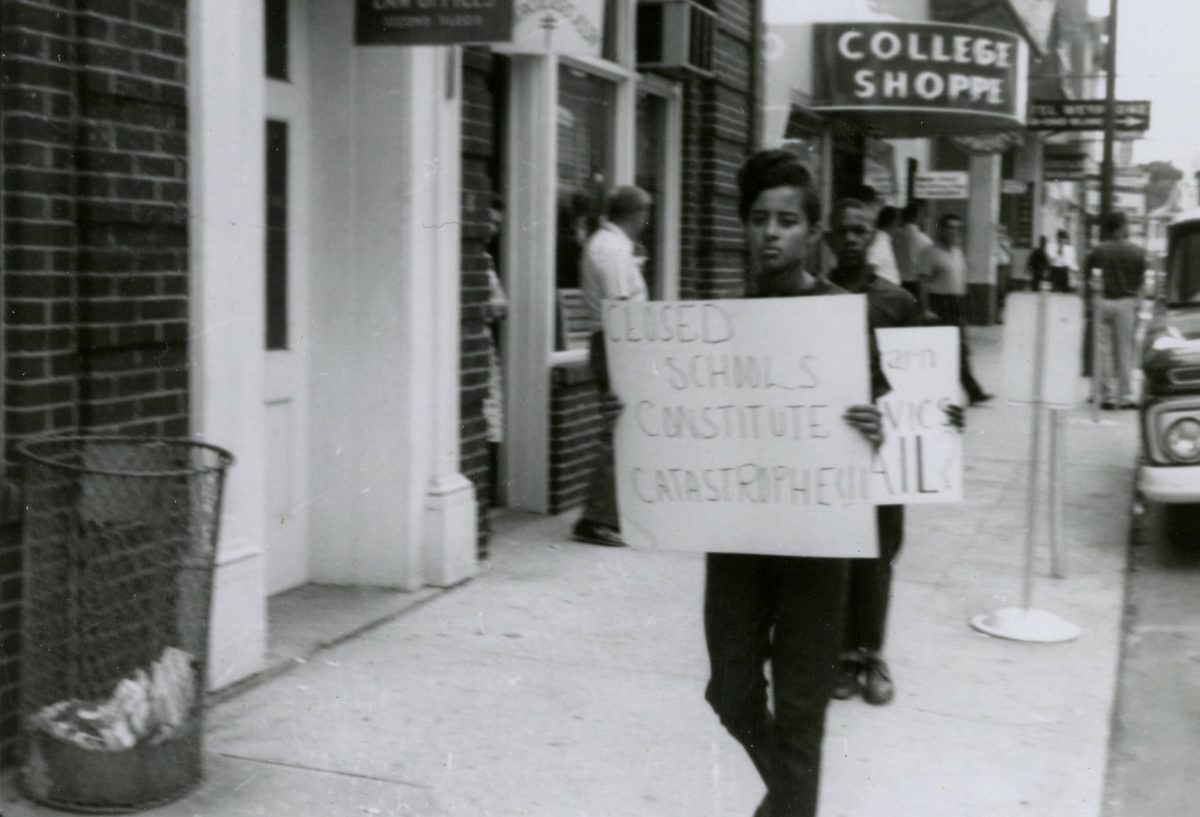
868	421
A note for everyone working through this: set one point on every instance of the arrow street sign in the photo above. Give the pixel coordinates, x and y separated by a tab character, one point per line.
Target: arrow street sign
1086	114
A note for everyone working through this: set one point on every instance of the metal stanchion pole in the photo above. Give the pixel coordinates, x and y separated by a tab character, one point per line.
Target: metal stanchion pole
1057	479
1025	623
1097	379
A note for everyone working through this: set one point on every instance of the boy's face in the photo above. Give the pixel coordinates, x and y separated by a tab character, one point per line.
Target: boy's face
778	230
851	231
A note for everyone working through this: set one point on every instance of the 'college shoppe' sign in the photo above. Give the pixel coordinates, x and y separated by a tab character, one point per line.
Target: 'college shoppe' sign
914	79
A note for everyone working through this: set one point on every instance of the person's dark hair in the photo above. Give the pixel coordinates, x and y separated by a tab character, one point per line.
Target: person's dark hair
625	201
946	218
769	169
888	218
1112	224
865	193
911	212
1062	234
842	205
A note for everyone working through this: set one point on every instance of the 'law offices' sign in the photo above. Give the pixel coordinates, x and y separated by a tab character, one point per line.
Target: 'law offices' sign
918	79
732	437
432	22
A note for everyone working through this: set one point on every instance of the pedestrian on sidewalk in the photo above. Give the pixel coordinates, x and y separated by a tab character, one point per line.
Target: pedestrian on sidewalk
944	275
1122	271
1064	269
863	669
609	269
783	609
1037	267
910	242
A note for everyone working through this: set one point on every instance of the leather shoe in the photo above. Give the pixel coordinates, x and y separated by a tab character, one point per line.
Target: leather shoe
980	398
595	533
878	688
847	685
1108	405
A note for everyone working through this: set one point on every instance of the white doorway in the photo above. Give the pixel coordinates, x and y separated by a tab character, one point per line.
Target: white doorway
285	281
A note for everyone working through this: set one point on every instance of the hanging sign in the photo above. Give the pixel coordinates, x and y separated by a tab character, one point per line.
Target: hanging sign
556	27
432	22
732	437
1063	163
941	184
920	79
920	461
1087	114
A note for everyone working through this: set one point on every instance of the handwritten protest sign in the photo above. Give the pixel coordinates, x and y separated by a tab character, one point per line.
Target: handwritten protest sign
732	437
920	461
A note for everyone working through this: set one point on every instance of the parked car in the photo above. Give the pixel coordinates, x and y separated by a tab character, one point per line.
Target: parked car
1170	408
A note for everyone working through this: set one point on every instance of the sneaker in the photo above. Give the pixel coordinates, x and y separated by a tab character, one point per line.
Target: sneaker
595	533
846	685
878	688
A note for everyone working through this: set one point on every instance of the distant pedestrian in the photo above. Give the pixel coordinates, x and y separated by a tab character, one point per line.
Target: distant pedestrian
909	242
494	314
1122	268
1002	253
1064	269
1037	267
610	269
944	275
883	251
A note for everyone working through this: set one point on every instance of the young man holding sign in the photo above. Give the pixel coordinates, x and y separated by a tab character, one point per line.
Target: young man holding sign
785	609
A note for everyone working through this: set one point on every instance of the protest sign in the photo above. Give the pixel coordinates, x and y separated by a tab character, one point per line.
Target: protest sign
1061	349
732	437
920	461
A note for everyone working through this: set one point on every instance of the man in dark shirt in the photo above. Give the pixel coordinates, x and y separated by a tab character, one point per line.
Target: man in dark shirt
888	305
1122	268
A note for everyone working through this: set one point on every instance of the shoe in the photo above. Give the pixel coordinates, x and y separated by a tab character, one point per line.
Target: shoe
878	688
594	533
1127	404
982	397
1108	405
847	686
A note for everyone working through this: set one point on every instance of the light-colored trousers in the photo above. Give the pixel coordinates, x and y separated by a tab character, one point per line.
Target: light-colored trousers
1117	317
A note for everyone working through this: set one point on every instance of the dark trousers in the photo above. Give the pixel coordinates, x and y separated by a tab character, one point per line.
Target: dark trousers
1060	279
601	506
952	311
870	587
789	611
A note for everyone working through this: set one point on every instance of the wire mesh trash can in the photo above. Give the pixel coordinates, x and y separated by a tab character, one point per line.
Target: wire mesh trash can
120	535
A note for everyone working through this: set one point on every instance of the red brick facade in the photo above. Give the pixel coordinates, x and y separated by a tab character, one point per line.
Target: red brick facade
95	237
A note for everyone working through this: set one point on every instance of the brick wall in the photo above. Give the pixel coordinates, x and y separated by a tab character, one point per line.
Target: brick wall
478	170
95	236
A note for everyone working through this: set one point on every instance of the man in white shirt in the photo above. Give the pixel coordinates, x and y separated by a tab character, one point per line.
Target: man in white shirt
944	277
882	253
1064	269
910	243
610	269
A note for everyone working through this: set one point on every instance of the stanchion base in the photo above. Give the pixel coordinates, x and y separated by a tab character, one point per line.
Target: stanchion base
1020	624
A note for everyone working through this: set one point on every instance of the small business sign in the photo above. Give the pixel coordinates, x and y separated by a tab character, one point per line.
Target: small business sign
1012	187
920	79
941	184
432	22
1087	114
556	27
1063	163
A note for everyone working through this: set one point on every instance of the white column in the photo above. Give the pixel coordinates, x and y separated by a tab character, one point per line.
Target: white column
226	150
529	329
451	512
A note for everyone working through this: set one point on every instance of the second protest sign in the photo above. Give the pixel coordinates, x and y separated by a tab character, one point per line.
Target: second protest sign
732	437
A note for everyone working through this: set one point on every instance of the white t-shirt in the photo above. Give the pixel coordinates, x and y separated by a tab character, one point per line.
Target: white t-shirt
944	270
882	258
608	268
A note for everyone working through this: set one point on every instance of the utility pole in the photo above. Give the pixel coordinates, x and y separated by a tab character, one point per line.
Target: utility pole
1110	112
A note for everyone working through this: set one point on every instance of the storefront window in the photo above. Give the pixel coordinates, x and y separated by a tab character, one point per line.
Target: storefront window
586	150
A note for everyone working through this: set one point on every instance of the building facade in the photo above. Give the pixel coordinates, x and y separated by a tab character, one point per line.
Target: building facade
230	221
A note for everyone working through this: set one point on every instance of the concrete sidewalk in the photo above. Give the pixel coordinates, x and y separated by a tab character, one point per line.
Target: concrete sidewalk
568	679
